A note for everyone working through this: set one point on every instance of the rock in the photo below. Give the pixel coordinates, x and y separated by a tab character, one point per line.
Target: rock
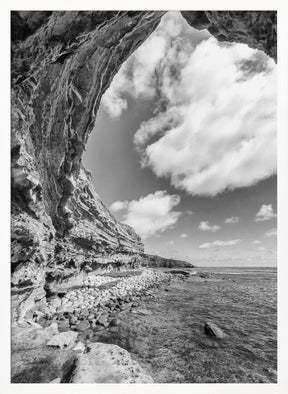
29	338
105	363
42	364
114	322
64	339
33	324
83	325
63	326
143	312
103	320
178	272
73	320
80	347
213	330
57	380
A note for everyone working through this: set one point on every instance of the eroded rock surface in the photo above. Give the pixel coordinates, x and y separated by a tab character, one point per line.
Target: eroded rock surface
105	363
62	63
257	29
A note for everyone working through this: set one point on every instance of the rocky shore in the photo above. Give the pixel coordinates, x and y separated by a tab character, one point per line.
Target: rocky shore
69	321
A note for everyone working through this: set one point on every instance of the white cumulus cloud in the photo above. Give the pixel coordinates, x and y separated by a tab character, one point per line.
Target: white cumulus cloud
208	245
272	232
256	242
118	206
214	123
184	235
265	213
152	214
205	226
232	220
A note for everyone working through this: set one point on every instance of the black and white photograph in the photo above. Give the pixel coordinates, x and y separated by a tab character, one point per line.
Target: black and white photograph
143	210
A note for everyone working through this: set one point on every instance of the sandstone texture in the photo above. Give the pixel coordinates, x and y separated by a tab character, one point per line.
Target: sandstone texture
257	29
105	363
62	62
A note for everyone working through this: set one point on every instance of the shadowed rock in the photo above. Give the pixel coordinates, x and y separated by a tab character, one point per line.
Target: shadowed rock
213	330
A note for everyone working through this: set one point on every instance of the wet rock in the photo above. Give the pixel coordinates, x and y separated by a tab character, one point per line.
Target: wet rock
64	339
213	330
114	322
105	363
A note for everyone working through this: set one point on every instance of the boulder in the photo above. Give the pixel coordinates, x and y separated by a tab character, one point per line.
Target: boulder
106	363
83	325
29	338
80	347
64	339
213	330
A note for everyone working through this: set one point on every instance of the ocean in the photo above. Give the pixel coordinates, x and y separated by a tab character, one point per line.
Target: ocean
170	342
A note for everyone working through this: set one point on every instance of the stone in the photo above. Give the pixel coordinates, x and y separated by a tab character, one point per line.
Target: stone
114	322
83	325
73	320
143	312
80	347
64	339
105	363
29	338
63	326
42	364
57	380
213	330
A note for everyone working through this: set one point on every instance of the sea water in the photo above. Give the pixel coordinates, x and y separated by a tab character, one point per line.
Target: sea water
170	342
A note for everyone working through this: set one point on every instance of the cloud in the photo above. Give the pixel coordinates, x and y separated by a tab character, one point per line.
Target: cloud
256	242
183	235
272	232
233	219
151	214
171	242
205	226
208	245
118	206
214	122
265	213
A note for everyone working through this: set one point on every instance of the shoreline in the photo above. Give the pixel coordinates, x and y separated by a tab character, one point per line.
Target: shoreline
63	327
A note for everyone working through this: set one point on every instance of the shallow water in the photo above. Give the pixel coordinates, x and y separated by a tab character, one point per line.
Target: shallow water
170	342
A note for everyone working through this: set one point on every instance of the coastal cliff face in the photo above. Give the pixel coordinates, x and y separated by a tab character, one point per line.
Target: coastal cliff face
61	65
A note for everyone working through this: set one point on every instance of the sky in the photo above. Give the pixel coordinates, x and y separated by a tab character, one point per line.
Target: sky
184	148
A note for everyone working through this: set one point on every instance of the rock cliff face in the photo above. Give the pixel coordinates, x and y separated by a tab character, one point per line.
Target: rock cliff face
62	63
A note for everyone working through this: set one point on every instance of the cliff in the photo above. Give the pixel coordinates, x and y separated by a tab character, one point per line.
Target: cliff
62	62
154	261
